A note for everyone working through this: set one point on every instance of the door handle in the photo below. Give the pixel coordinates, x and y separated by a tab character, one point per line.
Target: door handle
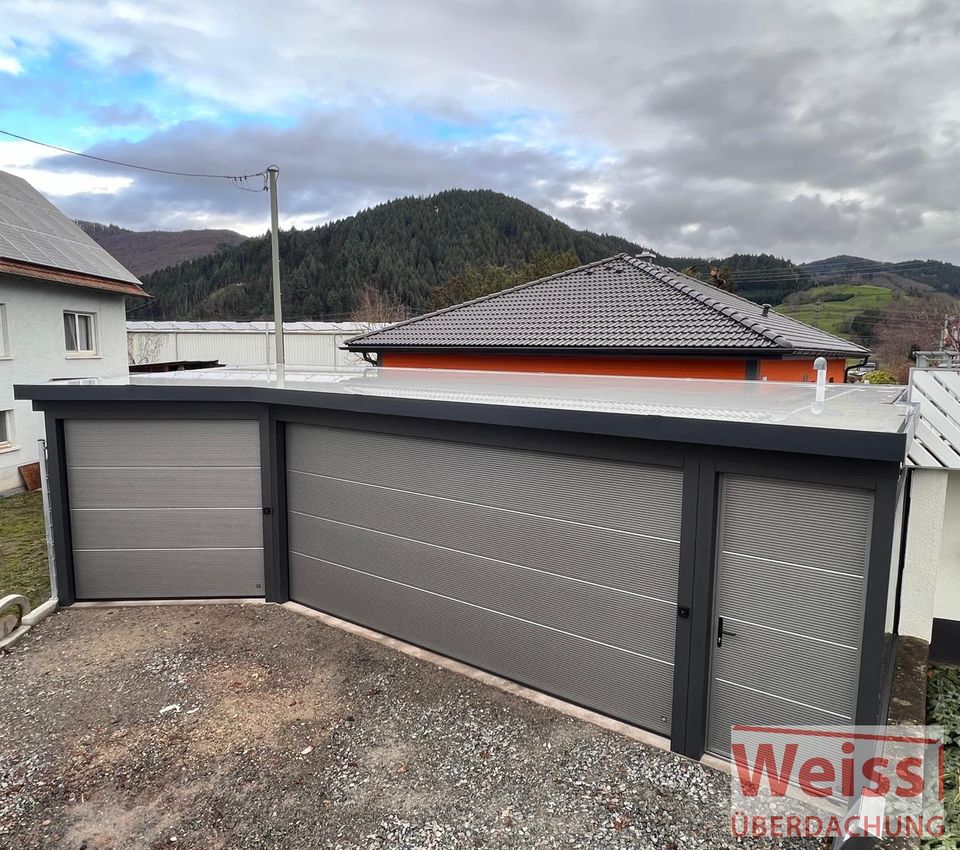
721	632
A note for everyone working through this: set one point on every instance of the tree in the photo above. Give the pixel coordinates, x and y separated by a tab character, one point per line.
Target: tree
475	282
907	326
718	276
375	305
722	278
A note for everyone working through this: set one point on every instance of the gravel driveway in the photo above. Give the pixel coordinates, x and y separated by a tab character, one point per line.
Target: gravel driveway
253	727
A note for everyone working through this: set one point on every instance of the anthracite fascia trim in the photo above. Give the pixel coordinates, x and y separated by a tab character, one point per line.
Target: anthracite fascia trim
610	351
828	442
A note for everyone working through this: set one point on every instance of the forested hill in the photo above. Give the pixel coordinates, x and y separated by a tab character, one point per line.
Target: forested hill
414	254
404	249
918	275
145	251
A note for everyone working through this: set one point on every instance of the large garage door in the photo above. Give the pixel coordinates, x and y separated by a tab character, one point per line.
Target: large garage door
556	571
165	508
791	565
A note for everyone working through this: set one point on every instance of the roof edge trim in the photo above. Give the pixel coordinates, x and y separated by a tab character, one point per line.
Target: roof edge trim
54	275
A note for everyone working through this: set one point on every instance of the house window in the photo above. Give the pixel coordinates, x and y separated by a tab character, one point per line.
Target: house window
4	340
6	429
79	331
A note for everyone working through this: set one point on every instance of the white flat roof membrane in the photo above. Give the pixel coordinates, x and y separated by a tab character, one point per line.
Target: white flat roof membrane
850	407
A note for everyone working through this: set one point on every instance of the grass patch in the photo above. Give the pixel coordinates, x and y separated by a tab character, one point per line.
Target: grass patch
23	548
838	305
943	709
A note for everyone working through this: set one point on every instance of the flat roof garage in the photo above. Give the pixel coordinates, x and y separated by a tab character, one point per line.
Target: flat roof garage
678	554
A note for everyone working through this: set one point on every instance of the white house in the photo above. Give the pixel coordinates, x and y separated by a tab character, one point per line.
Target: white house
62	313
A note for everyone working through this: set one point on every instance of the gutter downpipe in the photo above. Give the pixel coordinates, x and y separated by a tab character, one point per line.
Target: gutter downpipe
846	371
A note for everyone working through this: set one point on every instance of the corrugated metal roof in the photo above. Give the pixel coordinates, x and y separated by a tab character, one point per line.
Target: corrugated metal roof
32	230
250	327
621	303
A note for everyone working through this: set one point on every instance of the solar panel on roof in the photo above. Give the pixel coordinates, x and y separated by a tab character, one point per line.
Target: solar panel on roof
33	230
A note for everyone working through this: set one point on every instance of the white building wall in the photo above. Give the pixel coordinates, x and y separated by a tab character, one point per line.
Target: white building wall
243	343
946	603
925	549
235	349
36	352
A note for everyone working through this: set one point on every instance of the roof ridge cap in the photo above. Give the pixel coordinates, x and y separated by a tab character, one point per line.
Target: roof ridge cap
676	280
488	297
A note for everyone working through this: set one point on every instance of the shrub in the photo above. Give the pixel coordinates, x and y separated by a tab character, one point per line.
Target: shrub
880	376
943	709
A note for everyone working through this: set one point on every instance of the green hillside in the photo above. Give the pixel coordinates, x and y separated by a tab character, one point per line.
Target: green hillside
404	250
838	308
413	254
930	275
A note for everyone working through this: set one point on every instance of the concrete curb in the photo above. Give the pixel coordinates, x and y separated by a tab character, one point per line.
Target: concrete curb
13	638
151	603
27	622
41	612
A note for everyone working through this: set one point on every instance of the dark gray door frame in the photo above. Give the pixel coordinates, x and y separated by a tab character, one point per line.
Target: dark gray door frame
60	509
55	413
689	607
274	454
701	534
880	478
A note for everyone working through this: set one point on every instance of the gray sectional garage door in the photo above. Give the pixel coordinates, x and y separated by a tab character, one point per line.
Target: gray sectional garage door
791	566
552	570
165	508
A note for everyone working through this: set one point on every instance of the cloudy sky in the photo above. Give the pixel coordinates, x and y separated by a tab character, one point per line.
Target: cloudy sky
802	129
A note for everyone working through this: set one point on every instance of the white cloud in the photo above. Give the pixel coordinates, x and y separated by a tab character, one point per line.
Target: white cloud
802	129
9	65
21	158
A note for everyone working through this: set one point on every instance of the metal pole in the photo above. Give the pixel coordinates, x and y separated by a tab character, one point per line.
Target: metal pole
47	525
272	173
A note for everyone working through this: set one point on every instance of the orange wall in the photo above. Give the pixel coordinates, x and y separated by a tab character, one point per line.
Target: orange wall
657	367
796	370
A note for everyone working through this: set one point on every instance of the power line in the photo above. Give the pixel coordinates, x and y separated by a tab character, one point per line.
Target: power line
234	177
789	274
858	262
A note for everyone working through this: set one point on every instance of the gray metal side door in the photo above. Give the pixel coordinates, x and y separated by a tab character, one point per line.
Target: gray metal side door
788	609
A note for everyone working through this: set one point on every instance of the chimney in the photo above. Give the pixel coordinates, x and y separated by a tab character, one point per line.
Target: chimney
649	256
766	309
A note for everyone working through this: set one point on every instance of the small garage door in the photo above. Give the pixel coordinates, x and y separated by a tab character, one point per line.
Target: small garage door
556	571
165	508
791	567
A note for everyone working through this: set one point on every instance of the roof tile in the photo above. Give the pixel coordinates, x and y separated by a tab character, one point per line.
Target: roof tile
622	302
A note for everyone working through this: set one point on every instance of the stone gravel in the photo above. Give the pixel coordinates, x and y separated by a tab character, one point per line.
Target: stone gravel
251	727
